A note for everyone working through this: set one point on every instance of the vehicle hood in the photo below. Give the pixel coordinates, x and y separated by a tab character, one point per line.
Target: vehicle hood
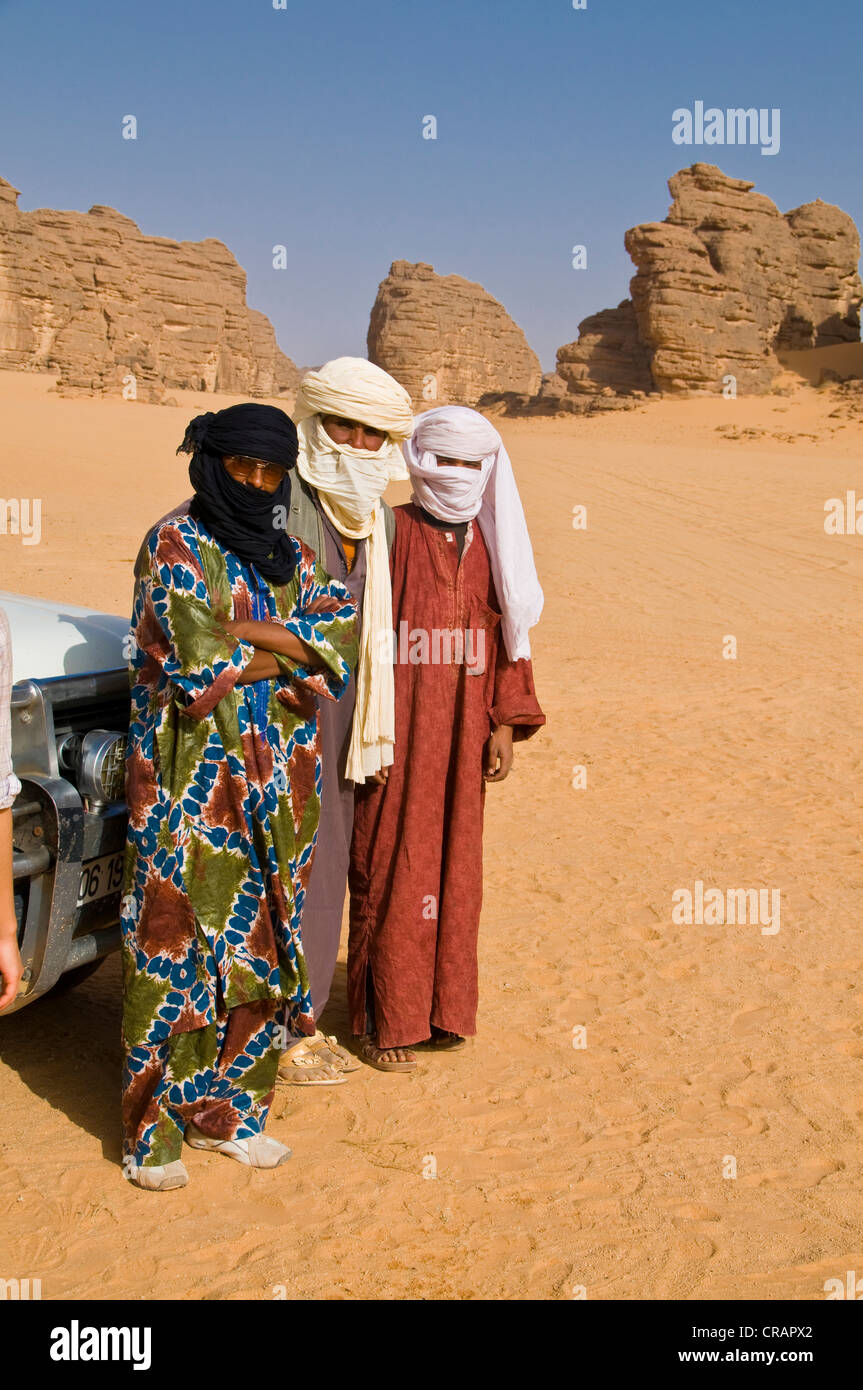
61	639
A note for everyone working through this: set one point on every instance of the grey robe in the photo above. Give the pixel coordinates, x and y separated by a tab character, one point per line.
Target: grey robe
325	896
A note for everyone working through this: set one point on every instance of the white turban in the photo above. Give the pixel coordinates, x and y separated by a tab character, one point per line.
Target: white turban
488	493
358	390
350	483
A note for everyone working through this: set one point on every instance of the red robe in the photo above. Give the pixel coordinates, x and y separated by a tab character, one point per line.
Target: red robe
416	857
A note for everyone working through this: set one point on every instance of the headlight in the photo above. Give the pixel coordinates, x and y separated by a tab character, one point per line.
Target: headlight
103	766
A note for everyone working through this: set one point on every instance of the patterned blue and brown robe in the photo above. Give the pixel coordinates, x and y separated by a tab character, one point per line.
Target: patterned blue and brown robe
223	788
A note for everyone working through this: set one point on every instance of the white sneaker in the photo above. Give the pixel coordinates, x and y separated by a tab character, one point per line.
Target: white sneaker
260	1151
155	1178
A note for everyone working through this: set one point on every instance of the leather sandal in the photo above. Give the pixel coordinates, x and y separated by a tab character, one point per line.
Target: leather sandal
442	1041
305	1065
329	1049
371	1053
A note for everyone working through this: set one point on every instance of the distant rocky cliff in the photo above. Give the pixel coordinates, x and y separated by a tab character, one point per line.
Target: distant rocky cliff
446	339
722	285
88	295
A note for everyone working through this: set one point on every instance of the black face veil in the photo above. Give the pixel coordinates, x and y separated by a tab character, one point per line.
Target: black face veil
246	520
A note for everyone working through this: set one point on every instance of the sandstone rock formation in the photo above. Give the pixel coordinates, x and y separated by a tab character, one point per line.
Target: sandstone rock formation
608	352
446	340
722	285
89	295
552	404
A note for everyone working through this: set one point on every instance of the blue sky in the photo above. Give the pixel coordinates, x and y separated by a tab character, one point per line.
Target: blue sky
303	126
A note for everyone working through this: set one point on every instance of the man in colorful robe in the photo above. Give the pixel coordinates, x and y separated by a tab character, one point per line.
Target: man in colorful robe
236	632
465	594
352	418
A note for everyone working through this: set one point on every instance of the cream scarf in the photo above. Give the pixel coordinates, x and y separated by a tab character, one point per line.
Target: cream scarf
350	483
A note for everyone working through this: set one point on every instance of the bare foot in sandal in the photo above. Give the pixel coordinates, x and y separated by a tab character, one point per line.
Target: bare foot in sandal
387	1058
443	1041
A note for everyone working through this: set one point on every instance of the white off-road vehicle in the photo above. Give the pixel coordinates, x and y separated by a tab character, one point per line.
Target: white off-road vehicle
70	717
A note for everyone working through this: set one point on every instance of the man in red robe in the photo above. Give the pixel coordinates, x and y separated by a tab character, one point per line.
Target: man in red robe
465	594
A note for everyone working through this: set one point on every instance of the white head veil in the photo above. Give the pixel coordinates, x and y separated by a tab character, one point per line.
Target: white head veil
350	483
490	494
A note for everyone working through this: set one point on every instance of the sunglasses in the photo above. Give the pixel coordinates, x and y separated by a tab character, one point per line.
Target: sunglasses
245	467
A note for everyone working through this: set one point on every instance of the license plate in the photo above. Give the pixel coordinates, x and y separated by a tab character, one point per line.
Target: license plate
99	877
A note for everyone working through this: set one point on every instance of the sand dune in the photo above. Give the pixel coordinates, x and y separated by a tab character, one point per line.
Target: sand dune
708	1047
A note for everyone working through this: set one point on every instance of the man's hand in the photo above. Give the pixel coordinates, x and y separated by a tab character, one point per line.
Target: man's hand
270	636
498	754
380	777
11	969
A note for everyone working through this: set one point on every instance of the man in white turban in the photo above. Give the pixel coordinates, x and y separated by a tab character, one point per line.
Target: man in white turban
465	595
351	419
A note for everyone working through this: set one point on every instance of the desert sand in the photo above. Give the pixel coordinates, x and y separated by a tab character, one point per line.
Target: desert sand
601	1170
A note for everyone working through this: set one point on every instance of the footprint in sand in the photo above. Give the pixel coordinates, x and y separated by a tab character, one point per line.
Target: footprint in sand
624	1184
680	970
693	1211
808	1173
750	1020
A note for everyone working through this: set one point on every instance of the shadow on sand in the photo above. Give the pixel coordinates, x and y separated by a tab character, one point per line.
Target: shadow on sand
66	1049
